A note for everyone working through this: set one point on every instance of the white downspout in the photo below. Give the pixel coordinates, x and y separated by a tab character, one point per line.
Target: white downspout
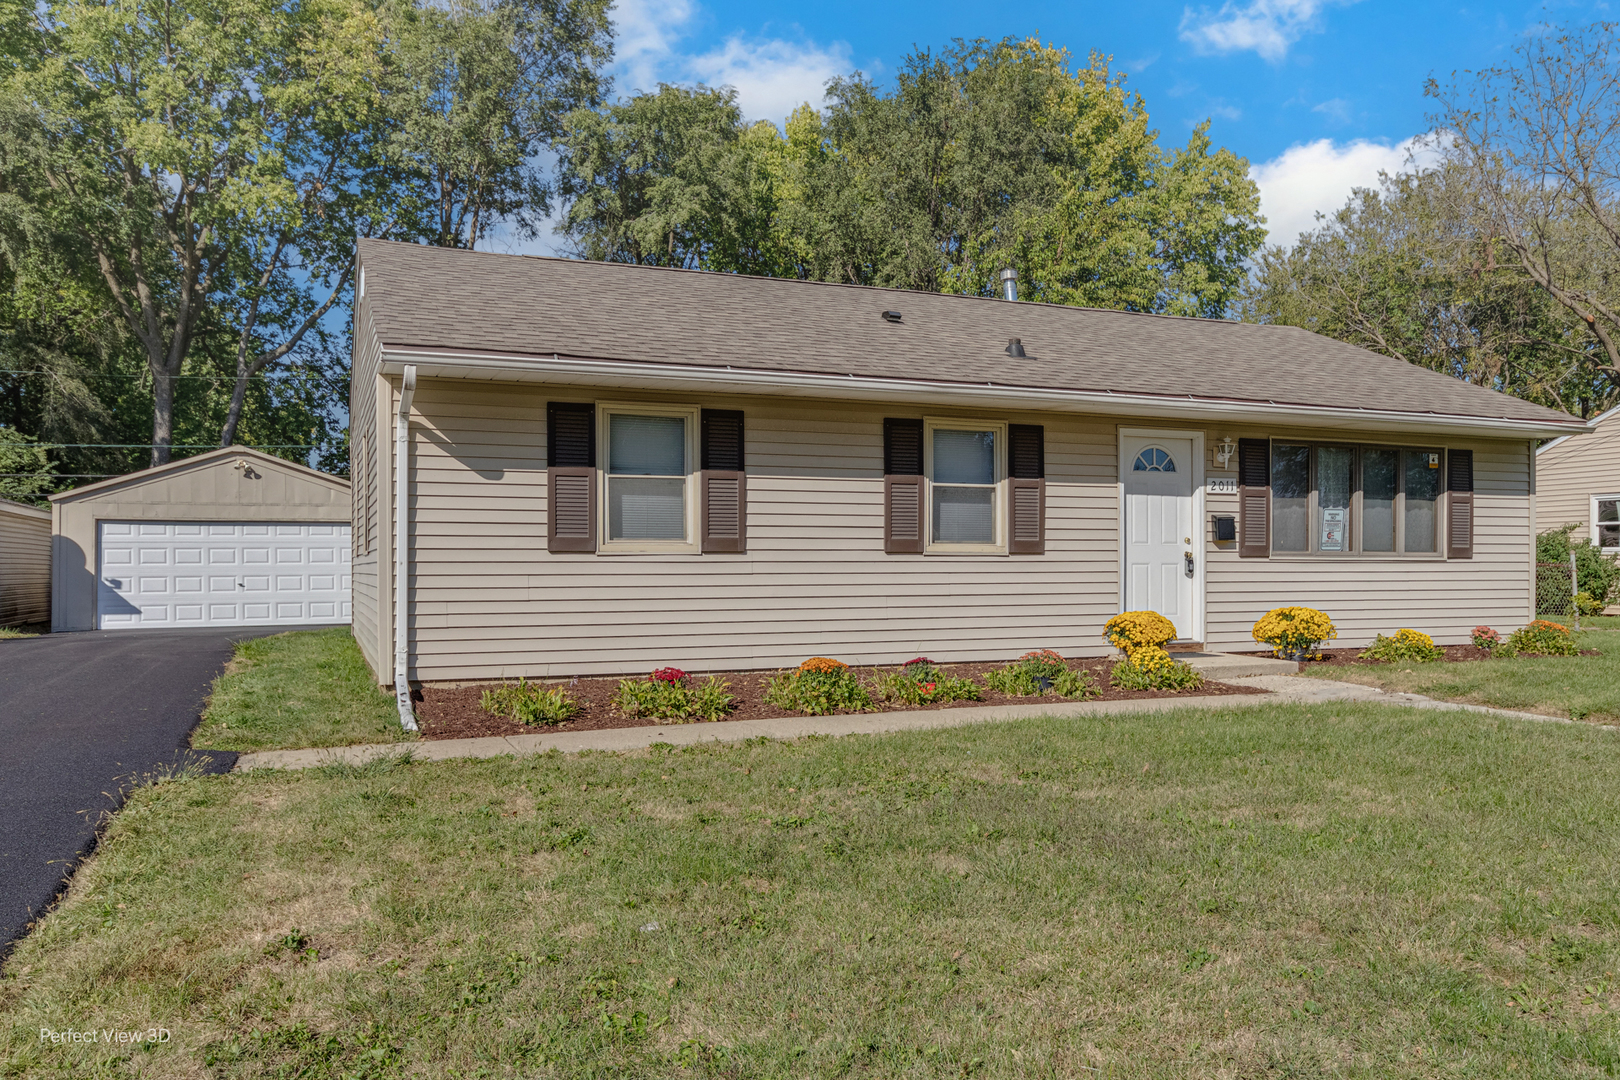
402	554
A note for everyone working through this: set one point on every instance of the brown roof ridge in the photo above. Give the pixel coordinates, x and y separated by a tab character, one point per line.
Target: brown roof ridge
732	274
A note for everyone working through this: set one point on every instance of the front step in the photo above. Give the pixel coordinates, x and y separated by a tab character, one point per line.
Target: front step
1223	666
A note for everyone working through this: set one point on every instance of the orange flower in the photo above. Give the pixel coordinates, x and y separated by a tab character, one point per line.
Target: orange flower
822	665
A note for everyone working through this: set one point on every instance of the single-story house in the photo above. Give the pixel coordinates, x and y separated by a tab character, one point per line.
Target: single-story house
25	564
606	468
1578	483
231	537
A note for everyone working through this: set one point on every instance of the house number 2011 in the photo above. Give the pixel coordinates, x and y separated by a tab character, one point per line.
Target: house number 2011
1223	485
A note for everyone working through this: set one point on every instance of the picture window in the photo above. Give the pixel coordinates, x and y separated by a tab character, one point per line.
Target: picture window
1338	500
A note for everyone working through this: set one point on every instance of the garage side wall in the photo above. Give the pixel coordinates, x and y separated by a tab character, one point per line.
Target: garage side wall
214	490
25	564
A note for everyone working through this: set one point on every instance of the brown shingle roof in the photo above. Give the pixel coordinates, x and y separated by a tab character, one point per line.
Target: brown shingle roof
440	298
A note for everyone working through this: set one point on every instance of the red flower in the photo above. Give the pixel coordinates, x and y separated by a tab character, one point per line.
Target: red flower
917	660
672	675
928	687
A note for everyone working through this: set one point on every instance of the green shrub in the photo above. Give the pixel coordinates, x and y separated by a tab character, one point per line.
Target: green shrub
920	682
1587	604
530	704
1542	638
1596	574
1154	669
1407	646
817	692
1023	677
681	700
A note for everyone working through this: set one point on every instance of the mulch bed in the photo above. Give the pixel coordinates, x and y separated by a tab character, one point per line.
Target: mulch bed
455	713
1352	657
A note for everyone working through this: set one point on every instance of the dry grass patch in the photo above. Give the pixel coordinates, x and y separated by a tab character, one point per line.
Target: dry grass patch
1252	892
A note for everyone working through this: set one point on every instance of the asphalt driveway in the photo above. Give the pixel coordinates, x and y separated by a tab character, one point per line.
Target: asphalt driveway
83	717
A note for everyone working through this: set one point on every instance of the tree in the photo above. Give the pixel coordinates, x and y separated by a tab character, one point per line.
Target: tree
1396	270
479	91
984	156
25	472
210	149
1540	141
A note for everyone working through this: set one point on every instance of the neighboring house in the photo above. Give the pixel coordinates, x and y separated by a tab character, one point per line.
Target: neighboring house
232	537
609	468
25	564
1578	483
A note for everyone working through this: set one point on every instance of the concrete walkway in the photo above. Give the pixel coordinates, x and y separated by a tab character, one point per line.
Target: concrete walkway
1284	690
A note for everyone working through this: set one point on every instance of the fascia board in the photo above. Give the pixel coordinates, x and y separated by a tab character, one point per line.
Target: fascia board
564	371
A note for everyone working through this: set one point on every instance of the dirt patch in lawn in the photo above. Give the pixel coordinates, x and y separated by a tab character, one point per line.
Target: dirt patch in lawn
455	712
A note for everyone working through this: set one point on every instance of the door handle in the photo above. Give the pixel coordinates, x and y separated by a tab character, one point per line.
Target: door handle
1187	555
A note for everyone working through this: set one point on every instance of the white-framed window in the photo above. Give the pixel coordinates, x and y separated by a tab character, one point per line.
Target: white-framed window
648	460
1606	522
965	463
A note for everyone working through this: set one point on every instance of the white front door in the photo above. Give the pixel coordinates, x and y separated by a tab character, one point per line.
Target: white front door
170	573
1159	576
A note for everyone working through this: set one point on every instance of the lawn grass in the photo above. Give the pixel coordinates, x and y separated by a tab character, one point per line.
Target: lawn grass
1577	687
17	633
1356	890
305	688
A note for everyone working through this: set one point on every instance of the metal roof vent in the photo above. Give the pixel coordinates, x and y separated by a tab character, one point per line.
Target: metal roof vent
1009	284
1015	347
891	316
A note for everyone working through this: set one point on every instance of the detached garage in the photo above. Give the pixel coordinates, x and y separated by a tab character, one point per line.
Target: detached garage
232	537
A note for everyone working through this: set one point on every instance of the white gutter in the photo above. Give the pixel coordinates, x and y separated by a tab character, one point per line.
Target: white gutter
402	554
1594	422
558	369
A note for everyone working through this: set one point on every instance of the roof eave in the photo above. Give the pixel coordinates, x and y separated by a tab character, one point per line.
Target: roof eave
630	374
140	476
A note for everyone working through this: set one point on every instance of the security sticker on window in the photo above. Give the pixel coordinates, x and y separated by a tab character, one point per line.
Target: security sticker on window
1333	523
1434	460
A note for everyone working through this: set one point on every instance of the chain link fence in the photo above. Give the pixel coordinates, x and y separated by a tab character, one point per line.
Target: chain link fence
1555	592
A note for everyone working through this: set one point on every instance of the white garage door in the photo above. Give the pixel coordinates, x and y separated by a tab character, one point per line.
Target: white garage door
221	574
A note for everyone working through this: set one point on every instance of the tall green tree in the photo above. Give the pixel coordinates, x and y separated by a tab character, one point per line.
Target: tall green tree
216	155
1403	269
478	91
984	156
1539	138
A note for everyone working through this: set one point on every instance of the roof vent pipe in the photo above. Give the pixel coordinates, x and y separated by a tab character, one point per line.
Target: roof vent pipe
1009	284
1015	348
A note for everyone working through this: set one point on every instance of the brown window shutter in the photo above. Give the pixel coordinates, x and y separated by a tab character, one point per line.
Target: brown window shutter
1254	498
1460	504
1026	489
723	483
902	486
570	476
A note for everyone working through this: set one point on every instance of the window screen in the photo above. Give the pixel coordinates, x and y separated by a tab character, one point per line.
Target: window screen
1422	490
1608	523
1290	496
964	487
646	477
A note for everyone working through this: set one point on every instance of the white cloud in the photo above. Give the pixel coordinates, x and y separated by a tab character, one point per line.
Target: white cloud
1308	178
645	33
1268	27
772	76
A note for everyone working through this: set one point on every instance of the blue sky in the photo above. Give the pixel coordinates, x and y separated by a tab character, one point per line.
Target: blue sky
1318	96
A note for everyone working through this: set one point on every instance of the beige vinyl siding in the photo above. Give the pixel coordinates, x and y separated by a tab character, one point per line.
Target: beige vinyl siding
365	439
1571	471
1369	595
25	564
488	600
